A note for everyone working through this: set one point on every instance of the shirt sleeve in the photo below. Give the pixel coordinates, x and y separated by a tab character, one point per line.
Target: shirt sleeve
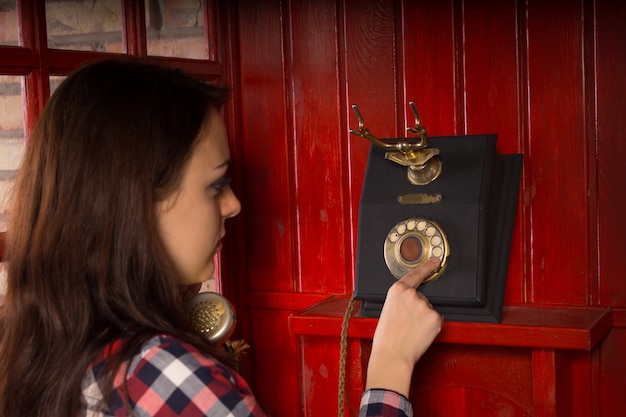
174	379
384	403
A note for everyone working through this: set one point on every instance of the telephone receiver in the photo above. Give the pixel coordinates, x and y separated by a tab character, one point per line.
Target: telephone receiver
451	197
212	315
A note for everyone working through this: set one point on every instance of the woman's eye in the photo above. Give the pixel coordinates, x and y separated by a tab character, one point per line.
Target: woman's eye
220	184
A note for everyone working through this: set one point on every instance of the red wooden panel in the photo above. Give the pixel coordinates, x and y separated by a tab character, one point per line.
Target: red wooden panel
279	301
585	383
429	65
17	60
492	91
557	154
611	148
505	374
370	67
33	36
490	47
613	374
452	401
274	376
484	403
267	199
532	87
320	376
552	384
369	80
134	24
317	147
465	402
555	328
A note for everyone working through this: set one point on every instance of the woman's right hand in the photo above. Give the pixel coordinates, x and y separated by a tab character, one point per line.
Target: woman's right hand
407	326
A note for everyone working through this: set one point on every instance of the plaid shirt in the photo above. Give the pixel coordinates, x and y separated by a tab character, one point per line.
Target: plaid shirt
383	403
171	378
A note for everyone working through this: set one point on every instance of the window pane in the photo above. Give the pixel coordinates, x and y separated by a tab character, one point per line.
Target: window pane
94	25
11	139
55	80
176	28
8	23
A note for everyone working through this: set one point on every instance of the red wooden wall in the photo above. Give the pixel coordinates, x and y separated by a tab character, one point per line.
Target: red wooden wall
549	77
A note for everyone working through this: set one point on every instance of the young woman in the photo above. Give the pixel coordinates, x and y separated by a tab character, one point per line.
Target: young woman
119	209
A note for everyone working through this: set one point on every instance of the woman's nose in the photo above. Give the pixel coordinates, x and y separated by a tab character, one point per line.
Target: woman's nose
231	206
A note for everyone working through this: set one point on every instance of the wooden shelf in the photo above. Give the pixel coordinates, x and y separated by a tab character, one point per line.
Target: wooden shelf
572	328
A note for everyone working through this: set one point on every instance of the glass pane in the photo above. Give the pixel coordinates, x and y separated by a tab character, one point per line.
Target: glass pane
11	139
94	25
55	80
12	147
176	28
8	23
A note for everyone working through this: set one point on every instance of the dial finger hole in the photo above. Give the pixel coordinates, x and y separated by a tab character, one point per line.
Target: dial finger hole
411	249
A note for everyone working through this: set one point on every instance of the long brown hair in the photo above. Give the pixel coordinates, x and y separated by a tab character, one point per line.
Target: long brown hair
85	263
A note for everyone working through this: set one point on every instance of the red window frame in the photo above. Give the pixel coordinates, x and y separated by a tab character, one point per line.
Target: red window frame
36	62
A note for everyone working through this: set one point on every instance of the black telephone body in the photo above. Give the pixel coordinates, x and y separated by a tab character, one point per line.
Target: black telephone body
464	216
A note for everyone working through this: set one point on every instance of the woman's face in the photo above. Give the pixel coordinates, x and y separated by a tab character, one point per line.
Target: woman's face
191	220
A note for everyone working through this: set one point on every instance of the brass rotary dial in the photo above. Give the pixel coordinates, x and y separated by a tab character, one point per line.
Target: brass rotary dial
411	242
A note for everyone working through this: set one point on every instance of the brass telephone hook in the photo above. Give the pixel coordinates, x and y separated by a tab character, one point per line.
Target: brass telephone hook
424	166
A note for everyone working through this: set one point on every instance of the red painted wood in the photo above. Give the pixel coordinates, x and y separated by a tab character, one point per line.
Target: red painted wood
134	28
268	197
274	374
476	369
320	377
278	301
492	89
369	76
212	30
317	148
611	149
33	36
557	154
484	403
370	67
476	380
544	387
21	60
429	65
612	370
584	370
466	402
575	328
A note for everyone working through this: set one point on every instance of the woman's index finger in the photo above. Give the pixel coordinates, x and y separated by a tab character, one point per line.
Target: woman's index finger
419	274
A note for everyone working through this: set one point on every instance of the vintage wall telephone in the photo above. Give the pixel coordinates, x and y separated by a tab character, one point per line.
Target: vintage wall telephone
455	200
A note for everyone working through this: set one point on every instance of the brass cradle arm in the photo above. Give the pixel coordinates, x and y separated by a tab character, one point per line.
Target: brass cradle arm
423	163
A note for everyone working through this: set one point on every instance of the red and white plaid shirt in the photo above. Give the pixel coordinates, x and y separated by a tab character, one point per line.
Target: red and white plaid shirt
172	378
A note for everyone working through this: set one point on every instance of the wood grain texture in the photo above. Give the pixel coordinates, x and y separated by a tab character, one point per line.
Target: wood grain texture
430	65
268	196
572	328
557	154
610	131
546	76
317	150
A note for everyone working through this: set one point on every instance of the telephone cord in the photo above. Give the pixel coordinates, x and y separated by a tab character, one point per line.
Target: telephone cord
343	352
